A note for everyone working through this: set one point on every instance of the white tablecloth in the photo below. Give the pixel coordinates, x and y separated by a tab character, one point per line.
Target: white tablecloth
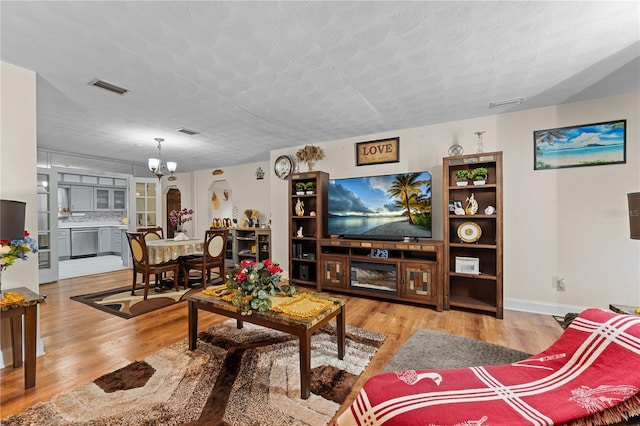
161	251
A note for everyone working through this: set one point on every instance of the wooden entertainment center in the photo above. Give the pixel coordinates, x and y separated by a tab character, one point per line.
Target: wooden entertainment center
421	271
411	272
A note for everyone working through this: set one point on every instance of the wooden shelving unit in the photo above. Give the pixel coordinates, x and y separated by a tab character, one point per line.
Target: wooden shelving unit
304	250
249	243
483	291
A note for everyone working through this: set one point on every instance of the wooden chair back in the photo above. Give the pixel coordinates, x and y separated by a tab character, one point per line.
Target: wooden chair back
139	251
151	234
215	242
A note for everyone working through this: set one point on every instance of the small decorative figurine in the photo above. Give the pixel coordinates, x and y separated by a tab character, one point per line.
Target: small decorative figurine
300	207
299	233
472	205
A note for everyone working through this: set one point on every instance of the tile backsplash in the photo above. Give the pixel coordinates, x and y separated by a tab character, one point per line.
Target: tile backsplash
115	217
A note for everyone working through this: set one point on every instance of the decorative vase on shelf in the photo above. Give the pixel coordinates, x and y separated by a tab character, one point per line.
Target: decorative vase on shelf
310	164
250	223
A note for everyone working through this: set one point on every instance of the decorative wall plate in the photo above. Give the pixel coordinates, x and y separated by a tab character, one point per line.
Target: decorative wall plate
469	232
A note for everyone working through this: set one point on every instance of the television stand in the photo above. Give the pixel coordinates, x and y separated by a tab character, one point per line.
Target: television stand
392	270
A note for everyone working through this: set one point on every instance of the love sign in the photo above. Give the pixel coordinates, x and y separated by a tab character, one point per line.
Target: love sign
378	152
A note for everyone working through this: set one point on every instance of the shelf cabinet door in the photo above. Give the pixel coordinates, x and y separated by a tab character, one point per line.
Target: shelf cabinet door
119	199
102	199
418	281
81	198
334	272
264	245
104	240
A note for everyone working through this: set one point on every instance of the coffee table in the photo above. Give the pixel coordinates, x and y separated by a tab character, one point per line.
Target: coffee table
303	328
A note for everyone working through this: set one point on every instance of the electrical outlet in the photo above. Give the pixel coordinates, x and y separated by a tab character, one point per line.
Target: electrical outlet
561	284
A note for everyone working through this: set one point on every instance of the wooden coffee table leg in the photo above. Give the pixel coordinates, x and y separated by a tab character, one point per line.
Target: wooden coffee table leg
193	325
340	329
305	365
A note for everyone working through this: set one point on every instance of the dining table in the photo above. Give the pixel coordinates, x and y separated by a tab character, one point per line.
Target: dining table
161	251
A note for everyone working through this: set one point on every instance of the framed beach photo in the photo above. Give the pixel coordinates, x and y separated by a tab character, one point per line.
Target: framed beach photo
578	146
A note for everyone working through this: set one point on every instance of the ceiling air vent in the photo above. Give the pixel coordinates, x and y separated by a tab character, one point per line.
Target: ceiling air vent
187	131
108	86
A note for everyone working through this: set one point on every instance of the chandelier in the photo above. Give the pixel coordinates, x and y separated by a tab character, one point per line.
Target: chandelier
156	166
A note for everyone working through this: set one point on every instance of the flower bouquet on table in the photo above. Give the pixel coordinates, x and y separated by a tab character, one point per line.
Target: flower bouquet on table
253	283
179	217
10	251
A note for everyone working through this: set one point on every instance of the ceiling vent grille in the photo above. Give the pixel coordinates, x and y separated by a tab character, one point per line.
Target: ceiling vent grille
187	131
108	86
516	101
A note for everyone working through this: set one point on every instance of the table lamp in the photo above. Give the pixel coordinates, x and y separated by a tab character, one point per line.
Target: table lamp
12	220
11	225
634	214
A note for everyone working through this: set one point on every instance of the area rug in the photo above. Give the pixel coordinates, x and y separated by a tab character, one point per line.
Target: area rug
427	349
120	302
234	377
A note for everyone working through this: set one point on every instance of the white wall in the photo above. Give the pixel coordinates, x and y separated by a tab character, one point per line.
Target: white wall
18	174
567	222
246	192
570	222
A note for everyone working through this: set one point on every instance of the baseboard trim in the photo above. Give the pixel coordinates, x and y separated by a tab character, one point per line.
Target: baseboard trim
540	307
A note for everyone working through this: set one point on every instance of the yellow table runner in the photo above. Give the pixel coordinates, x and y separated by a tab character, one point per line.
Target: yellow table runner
300	305
11	298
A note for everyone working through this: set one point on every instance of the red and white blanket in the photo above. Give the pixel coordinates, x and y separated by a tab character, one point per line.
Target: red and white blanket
593	368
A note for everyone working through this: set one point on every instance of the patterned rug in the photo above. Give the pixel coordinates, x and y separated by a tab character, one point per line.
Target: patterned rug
120	302
234	377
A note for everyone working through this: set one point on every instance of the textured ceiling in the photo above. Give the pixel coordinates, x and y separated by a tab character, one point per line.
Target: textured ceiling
257	76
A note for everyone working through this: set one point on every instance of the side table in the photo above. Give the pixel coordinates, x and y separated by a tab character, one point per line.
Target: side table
29	308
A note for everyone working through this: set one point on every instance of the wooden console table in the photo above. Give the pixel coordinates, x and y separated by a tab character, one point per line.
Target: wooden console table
303	328
29	308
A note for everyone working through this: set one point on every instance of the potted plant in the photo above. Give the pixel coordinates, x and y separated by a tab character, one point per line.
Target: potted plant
462	176
479	176
310	187
300	188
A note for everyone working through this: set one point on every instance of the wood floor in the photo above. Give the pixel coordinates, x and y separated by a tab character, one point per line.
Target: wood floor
83	343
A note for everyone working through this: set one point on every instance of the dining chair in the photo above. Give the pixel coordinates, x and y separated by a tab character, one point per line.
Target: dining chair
213	255
141	264
153	233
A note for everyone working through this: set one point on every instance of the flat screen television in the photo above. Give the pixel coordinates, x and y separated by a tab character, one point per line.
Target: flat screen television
386	207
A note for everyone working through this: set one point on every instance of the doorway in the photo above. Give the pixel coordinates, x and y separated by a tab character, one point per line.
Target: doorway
173	203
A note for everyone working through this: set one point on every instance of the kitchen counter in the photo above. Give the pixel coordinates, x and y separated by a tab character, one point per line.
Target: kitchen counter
63	225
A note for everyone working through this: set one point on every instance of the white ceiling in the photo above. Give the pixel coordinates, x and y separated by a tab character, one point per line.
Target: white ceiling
257	76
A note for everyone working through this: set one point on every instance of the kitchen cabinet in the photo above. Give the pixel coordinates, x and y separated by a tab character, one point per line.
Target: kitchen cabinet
64	244
116	241
81	198
104	240
110	199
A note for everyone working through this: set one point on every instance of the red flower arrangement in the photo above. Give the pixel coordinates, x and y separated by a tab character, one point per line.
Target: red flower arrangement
253	283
